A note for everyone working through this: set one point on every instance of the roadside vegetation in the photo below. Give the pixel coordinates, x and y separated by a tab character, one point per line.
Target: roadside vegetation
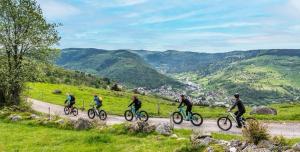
117	102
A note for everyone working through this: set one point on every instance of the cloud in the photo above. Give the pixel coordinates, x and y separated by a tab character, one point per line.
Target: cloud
224	25
54	9
114	3
162	19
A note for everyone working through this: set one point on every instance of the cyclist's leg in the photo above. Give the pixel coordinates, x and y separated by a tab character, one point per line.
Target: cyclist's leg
188	112
238	118
136	109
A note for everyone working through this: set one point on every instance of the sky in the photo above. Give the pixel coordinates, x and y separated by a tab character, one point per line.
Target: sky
185	25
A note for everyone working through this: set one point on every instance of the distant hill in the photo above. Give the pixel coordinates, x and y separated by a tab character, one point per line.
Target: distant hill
120	65
203	63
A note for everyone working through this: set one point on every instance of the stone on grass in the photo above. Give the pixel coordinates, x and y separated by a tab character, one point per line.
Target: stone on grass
174	136
141	126
164	129
15	118
296	147
263	110
82	124
57	91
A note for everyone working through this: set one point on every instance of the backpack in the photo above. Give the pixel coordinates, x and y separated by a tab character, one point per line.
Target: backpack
72	98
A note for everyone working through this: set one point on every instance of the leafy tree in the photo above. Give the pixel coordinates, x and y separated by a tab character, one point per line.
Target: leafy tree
25	38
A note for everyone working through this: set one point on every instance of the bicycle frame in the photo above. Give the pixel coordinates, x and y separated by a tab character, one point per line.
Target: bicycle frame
233	117
182	111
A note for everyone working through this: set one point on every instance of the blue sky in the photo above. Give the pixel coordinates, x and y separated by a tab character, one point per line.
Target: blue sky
186	25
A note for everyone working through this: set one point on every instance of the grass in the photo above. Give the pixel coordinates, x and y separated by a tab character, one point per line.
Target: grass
117	102
21	137
114	102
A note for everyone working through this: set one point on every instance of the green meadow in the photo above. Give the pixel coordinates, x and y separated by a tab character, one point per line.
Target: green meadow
116	102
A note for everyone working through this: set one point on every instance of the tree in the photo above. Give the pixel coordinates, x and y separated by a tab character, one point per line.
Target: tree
25	39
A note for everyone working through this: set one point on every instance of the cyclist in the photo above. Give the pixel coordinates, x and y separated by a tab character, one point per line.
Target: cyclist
188	105
98	101
70	101
241	109
137	103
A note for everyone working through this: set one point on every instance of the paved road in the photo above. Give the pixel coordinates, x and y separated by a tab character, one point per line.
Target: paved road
289	130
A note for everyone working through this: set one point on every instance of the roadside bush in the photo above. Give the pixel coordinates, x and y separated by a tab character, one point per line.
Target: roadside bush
255	132
280	141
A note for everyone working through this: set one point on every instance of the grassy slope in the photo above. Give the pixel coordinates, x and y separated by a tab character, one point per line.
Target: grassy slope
24	137
35	138
117	102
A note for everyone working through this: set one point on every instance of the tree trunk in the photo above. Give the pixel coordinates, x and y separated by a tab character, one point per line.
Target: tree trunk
16	94
2	98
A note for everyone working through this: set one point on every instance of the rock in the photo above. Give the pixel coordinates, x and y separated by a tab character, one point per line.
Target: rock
164	129
263	110
174	136
15	118
296	147
265	144
140	126
57	91
209	149
82	124
34	116
60	121
254	148
199	138
232	149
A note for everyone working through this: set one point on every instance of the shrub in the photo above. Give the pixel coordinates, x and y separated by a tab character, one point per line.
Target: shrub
280	141
255	132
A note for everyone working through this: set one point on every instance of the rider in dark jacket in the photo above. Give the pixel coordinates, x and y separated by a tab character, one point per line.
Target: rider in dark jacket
241	109
70	101
137	103
188	105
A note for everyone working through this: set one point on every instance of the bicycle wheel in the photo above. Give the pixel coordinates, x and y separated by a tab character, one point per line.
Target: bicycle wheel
197	119
177	117
91	113
75	111
224	123
143	116
66	110
102	115
128	115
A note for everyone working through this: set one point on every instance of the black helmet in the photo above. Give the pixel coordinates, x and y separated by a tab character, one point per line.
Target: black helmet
236	95
182	96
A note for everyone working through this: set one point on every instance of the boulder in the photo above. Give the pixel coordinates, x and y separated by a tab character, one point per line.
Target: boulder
57	91
296	147
82	124
141	126
265	144
263	110
254	148
232	149
15	118
34	116
164	129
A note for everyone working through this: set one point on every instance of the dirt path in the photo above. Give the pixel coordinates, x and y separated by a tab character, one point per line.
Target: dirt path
290	130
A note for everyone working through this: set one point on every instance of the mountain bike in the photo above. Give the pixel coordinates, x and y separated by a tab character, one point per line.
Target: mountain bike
141	115
73	110
225	123
178	116
93	111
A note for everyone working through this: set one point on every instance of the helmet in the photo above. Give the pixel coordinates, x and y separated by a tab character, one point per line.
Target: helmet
236	95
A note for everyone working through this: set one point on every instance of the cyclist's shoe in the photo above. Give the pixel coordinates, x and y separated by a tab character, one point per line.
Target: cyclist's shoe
238	126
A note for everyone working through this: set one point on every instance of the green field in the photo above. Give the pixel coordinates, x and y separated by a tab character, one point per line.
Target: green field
117	102
23	137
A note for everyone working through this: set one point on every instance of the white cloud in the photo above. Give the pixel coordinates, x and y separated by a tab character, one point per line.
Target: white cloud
225	25
54	9
161	19
114	3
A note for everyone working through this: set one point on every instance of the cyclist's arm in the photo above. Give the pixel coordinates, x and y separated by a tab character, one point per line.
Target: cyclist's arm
233	106
131	104
180	104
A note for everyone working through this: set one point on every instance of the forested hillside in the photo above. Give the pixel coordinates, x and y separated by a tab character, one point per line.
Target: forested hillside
120	65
